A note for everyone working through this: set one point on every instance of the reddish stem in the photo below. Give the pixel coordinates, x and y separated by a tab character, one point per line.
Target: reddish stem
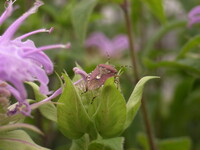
125	7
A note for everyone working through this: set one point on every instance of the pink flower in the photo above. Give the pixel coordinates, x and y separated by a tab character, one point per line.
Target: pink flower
107	46
21	60
194	16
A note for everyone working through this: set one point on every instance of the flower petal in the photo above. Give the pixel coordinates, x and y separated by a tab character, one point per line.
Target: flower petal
8	34
100	41
120	43
194	12
7	12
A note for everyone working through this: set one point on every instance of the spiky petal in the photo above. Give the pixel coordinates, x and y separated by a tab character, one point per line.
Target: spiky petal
107	46
194	16
22	61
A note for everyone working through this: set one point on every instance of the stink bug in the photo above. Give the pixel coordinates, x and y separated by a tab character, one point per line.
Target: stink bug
101	73
96	78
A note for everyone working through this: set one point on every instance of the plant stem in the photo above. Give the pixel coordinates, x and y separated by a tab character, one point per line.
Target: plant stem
131	39
125	8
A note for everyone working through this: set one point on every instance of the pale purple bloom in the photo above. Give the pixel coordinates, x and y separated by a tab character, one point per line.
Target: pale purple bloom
194	16
106	45
80	72
21	60
54	95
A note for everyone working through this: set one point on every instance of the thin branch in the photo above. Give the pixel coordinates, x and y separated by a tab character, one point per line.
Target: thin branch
125	8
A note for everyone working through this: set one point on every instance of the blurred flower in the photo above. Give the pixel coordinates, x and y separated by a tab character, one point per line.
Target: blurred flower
174	8
22	61
107	46
194	16
60	2
110	15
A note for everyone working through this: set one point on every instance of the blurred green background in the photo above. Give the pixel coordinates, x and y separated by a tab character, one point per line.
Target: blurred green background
160	32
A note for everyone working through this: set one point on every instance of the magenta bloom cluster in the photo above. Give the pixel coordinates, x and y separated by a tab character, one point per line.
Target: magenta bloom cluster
21	60
108	46
194	16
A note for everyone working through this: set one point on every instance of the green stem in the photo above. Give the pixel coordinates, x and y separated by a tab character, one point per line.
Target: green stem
125	7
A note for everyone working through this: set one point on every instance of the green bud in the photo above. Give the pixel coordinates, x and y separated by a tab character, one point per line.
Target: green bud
111	115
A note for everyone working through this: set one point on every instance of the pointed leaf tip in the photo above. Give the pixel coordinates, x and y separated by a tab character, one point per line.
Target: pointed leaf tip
73	119
134	101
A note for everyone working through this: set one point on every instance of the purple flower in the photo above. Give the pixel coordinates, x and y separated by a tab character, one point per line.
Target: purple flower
194	16
107	46
21	60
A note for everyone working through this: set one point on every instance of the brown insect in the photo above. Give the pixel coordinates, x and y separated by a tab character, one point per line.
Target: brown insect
98	77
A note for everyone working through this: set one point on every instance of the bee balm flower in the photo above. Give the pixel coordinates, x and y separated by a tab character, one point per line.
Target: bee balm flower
106	45
194	16
21	60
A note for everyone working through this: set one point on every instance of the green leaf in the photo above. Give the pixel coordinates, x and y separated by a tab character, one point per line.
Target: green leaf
111	114
156	7
107	144
195	41
180	143
80	144
18	140
190	66
38	95
48	110
134	101
80	17
10	127
118	1
73	119
161	33
4	120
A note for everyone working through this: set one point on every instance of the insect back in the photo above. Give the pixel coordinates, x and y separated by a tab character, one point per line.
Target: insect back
99	75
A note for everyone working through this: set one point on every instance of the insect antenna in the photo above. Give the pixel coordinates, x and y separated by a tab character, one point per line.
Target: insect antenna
108	57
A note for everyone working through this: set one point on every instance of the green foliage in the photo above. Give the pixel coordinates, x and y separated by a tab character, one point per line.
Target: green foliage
48	110
134	101
105	115
156	7
193	42
80	16
100	144
73	119
189	66
160	33
112	1
15	126
177	61
19	140
111	114
38	95
10	119
80	144
181	143
107	144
